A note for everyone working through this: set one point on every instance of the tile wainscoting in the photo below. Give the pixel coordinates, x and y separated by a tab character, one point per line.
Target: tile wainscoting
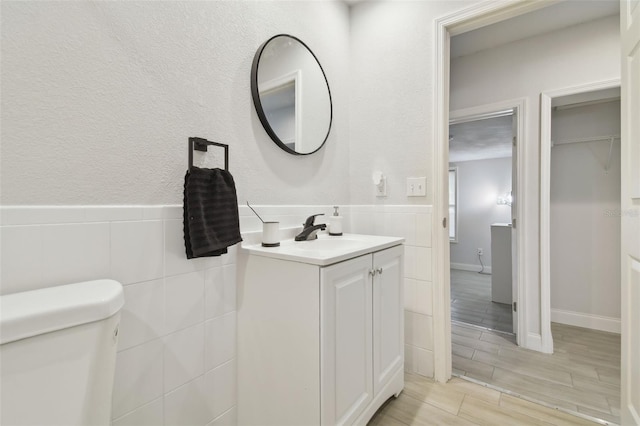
176	354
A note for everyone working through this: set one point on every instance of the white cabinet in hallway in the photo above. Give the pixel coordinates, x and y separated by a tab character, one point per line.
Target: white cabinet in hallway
319	344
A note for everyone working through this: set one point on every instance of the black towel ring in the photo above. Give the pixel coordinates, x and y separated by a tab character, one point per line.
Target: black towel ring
200	144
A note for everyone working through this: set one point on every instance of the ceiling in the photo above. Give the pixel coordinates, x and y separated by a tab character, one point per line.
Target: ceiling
559	15
480	139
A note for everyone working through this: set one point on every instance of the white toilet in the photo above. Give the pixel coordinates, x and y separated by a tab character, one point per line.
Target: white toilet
57	354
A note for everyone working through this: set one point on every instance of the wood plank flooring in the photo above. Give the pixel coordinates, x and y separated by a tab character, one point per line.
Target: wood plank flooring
582	375
460	402
471	302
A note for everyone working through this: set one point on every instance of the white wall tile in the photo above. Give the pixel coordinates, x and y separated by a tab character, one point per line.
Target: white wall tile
142	314
409	359
410	261
138	377
422	263
424	362
221	386
418	360
220	340
137	251
183	356
423	229
32	215
188	405
21	267
228	418
400	225
361	223
150	414
184	300
112	213
214	292
175	256
229	277
152	212
418	296
418	330
231	256
75	252
173	212
410	294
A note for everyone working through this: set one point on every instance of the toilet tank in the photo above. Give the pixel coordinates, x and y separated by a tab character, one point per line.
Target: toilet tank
57	354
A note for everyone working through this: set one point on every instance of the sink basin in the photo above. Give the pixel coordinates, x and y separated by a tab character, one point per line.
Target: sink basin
326	250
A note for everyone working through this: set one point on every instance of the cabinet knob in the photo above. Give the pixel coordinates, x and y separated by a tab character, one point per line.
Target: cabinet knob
379	270
372	272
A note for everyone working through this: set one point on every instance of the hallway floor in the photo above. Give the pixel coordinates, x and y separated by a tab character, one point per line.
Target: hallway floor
582	375
460	402
471	302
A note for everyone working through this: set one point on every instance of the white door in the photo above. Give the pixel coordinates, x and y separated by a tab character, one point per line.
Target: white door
514	224
630	210
346	383
388	315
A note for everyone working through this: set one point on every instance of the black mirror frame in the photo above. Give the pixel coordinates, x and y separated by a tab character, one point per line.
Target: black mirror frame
258	104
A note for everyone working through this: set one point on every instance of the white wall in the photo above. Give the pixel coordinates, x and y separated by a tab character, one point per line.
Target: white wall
99	99
390	123
480	182
585	217
576	55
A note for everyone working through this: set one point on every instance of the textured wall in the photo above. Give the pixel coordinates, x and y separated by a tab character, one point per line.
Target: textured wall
98	100
390	125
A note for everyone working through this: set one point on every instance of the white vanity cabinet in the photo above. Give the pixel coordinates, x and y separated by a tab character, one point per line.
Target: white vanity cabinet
319	344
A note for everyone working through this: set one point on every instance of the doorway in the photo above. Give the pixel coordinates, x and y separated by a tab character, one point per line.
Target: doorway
481	170
582	122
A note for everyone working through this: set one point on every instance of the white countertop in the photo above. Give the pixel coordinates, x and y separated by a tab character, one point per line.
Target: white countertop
326	250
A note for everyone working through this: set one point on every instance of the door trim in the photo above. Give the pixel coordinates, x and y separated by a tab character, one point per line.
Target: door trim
546	98
458	22
499	109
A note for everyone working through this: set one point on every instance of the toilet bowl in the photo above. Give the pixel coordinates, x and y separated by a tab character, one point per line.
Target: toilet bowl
57	354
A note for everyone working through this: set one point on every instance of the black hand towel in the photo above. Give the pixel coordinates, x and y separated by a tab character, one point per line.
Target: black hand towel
211	221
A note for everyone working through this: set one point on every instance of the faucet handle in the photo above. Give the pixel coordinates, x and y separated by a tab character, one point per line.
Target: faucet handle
311	219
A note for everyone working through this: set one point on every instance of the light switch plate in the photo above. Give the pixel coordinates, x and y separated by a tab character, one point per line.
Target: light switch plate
416	187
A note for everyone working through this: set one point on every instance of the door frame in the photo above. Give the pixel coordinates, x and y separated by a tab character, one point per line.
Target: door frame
519	109
458	22
546	99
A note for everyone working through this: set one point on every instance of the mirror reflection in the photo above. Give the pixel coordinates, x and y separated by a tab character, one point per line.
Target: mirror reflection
291	95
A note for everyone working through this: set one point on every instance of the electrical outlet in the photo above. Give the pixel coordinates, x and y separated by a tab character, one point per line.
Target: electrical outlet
480	253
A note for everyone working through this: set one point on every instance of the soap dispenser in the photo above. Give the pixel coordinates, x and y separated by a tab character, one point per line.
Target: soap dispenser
335	223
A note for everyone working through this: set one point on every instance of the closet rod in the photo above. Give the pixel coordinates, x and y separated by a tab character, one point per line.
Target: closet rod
581	140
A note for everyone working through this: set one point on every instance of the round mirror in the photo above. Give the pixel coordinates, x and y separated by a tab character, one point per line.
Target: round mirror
291	95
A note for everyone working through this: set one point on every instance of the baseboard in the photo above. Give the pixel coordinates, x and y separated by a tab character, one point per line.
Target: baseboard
579	319
469	267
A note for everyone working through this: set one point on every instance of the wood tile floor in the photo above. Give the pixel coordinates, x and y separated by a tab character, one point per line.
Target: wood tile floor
471	302
582	375
460	402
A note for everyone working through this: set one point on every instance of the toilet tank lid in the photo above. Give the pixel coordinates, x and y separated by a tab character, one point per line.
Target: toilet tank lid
35	312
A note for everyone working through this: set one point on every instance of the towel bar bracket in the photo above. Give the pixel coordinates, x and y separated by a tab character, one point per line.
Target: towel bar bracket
200	144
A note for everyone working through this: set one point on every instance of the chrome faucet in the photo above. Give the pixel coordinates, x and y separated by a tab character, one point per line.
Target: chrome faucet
309	230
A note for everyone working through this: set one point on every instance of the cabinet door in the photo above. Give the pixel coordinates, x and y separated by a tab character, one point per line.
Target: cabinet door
346	331
388	315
